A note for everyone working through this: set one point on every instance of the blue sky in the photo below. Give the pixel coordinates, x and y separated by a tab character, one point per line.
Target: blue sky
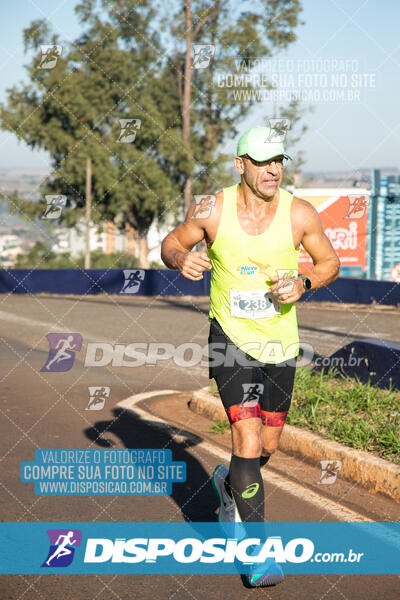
342	135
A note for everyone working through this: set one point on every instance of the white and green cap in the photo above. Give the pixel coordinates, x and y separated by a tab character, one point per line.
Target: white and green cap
259	144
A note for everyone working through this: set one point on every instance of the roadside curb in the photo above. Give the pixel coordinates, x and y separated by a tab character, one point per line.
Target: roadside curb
374	474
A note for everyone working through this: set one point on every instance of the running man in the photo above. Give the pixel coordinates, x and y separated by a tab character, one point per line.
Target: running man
63	346
99	396
130	129
133	280
253	235
49	56
62	549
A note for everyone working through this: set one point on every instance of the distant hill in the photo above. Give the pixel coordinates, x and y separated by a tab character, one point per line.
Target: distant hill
345	179
24	181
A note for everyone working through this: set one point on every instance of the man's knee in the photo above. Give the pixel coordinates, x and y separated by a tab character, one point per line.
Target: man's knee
269	448
246	438
270	438
248	447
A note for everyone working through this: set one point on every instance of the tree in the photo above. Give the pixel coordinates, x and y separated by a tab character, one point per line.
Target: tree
131	63
294	113
236	35
74	109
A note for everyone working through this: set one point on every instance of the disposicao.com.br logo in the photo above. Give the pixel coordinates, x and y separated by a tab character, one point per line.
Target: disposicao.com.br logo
200	547
194	550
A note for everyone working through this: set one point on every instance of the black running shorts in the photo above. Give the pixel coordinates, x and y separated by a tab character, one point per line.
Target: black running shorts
249	388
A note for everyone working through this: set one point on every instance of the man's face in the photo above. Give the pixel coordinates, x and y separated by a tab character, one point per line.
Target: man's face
263	178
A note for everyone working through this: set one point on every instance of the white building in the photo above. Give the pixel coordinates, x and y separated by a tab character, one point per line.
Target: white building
10	247
108	239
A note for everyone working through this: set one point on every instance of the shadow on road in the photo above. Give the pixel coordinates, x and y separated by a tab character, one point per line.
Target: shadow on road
195	497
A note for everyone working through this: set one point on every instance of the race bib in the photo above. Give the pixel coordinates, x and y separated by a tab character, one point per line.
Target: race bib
254	304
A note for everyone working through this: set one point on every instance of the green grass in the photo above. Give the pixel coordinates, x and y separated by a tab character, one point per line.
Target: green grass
219	427
347	411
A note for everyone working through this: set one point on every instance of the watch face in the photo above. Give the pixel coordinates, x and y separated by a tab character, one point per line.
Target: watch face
306	282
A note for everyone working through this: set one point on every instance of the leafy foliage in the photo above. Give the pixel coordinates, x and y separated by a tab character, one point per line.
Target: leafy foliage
42	257
128	62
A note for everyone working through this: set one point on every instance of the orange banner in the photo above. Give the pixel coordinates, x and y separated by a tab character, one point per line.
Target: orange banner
344	219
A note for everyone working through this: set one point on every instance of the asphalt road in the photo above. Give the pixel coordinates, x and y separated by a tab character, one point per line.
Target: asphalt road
47	410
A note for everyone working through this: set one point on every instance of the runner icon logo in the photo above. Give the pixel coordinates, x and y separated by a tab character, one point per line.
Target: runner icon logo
129	128
330	470
204	206
54	207
203	54
98	396
357	206
62	547
62	351
286	280
252	393
49	57
279	129
133	279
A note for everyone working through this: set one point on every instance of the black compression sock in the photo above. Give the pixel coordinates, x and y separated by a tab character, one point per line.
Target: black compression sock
247	487
227	486
264	460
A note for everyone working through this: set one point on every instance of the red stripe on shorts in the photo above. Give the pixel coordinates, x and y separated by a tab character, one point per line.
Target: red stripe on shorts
238	412
273	419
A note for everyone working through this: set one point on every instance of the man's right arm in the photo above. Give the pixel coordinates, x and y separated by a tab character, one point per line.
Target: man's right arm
176	248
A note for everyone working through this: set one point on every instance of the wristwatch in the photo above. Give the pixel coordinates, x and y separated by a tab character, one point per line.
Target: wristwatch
306	282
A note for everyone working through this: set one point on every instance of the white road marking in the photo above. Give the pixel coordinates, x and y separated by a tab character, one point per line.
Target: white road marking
11	318
295	489
342	513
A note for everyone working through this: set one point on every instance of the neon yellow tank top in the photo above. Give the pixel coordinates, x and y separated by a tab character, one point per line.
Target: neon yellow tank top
240	268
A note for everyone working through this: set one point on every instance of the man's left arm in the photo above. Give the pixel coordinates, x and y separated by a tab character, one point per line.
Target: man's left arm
317	244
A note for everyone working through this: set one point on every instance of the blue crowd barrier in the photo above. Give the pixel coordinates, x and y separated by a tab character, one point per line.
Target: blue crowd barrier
357	291
371	360
164	282
141	282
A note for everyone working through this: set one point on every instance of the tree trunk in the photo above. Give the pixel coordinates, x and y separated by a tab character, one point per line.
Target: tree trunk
187	82
143	249
188	192
88	211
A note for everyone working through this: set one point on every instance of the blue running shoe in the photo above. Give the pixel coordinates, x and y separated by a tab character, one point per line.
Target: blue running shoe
268	573
228	512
